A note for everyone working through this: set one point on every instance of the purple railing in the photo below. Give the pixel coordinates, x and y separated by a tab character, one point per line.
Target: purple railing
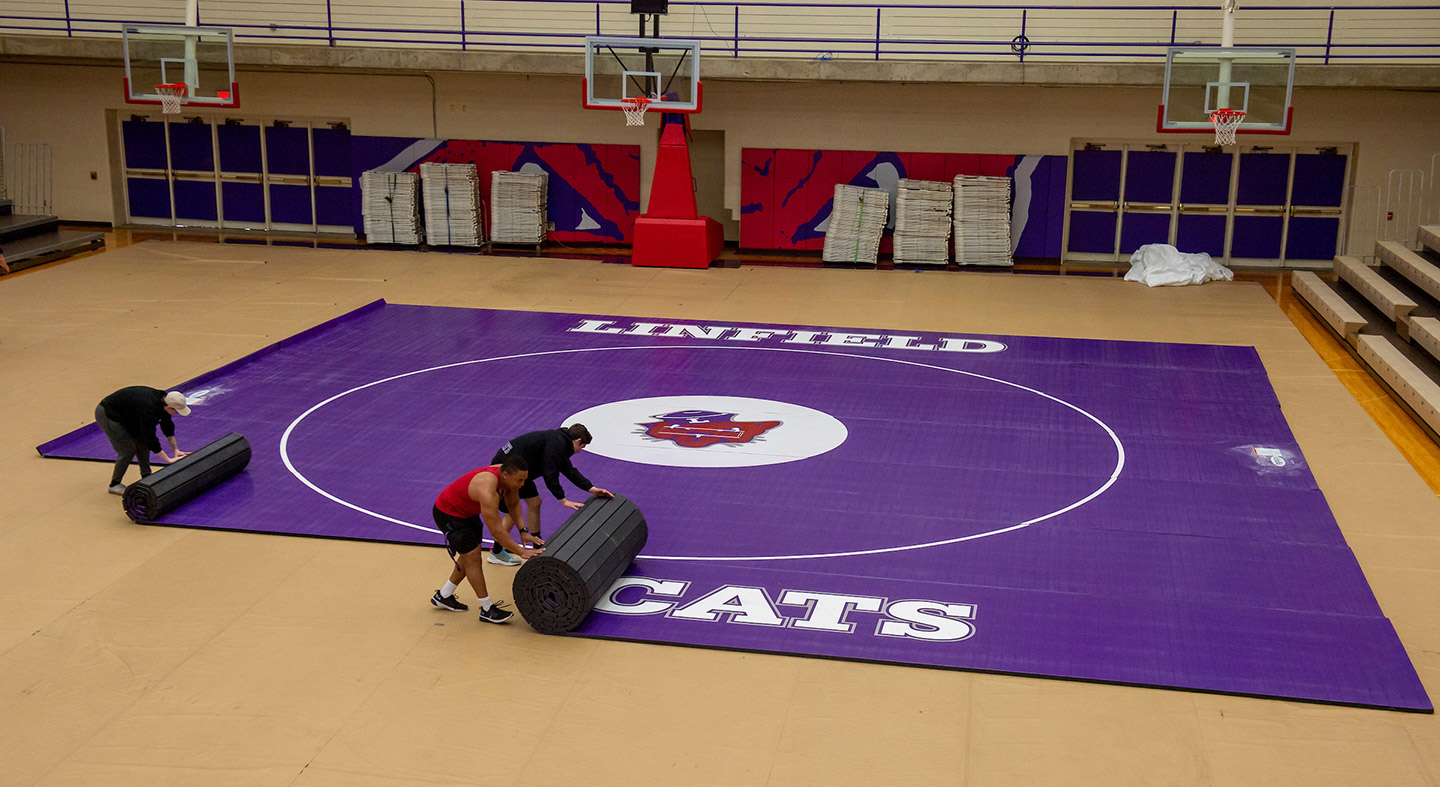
765	28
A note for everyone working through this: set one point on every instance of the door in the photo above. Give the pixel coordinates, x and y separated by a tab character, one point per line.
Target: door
1149	198
1205	188
192	168
288	177
1094	215
242	168
1316	199
334	196
1248	205
1262	184
707	163
147	172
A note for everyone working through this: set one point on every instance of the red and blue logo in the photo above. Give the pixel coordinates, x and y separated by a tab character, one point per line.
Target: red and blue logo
704	428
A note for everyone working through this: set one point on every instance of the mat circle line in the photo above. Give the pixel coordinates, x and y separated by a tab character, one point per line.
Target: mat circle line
1110	481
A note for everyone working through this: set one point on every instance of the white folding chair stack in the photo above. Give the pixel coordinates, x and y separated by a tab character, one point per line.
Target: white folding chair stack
518	208
982	220
857	222
922	222
390	207
452	204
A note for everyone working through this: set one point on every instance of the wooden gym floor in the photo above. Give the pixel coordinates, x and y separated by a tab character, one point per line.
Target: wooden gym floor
152	655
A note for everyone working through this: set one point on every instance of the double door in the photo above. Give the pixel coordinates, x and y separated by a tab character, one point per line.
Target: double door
277	175
1250	205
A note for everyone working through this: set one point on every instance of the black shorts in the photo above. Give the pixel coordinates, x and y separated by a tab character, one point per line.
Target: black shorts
462	534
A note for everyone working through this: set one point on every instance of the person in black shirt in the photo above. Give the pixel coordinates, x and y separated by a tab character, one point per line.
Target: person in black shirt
547	453
129	417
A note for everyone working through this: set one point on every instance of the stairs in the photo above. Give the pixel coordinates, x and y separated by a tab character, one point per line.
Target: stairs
1390	315
28	241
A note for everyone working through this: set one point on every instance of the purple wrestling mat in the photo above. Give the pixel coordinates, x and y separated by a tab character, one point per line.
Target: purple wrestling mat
1126	512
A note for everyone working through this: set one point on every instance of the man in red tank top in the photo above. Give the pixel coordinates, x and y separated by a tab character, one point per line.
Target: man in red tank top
459	511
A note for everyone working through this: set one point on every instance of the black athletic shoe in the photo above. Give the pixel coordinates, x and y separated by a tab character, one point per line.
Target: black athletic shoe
496	614
448	602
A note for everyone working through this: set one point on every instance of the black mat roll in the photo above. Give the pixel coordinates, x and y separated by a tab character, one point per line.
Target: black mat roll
556	590
150	497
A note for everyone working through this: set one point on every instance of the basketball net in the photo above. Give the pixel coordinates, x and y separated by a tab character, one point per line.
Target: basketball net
635	110
170	95
1226	122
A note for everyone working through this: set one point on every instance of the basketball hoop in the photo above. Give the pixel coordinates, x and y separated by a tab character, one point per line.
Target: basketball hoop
635	110
1226	121
170	95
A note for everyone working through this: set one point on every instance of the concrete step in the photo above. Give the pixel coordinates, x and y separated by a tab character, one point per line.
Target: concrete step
1420	271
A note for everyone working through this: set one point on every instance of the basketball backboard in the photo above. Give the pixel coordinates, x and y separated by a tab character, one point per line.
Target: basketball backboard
1200	80
202	58
665	70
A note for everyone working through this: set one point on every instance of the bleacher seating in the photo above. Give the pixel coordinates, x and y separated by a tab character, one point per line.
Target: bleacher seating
1341	316
1413	386
1414	267
1390	315
1385	296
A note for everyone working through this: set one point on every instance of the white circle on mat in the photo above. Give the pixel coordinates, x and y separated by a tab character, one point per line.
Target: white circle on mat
709	431
1114	473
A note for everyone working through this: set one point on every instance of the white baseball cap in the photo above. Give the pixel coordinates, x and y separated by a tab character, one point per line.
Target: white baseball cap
176	400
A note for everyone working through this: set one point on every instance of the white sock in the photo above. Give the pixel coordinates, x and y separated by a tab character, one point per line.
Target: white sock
485	603
448	590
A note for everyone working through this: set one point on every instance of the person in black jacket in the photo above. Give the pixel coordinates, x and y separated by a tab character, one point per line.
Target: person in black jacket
548	453
129	417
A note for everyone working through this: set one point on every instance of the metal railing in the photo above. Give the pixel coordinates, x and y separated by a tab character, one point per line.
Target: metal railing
1397	33
32	169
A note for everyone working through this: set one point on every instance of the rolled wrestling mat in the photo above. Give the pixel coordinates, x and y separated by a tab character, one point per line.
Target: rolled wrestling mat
150	497
554	591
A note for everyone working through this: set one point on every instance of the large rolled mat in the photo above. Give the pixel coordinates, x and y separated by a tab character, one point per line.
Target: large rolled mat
554	591
149	498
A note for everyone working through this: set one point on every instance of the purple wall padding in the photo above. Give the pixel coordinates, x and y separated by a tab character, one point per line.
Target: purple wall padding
594	190
786	194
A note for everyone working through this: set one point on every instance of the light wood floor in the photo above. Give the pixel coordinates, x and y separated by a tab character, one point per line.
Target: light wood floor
152	655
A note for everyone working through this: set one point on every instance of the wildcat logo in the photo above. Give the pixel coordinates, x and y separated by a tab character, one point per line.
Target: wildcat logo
703	428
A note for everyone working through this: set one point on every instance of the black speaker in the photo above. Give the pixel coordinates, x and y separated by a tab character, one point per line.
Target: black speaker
649	6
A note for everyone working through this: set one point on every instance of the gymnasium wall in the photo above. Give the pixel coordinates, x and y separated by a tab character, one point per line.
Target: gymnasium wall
67	106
